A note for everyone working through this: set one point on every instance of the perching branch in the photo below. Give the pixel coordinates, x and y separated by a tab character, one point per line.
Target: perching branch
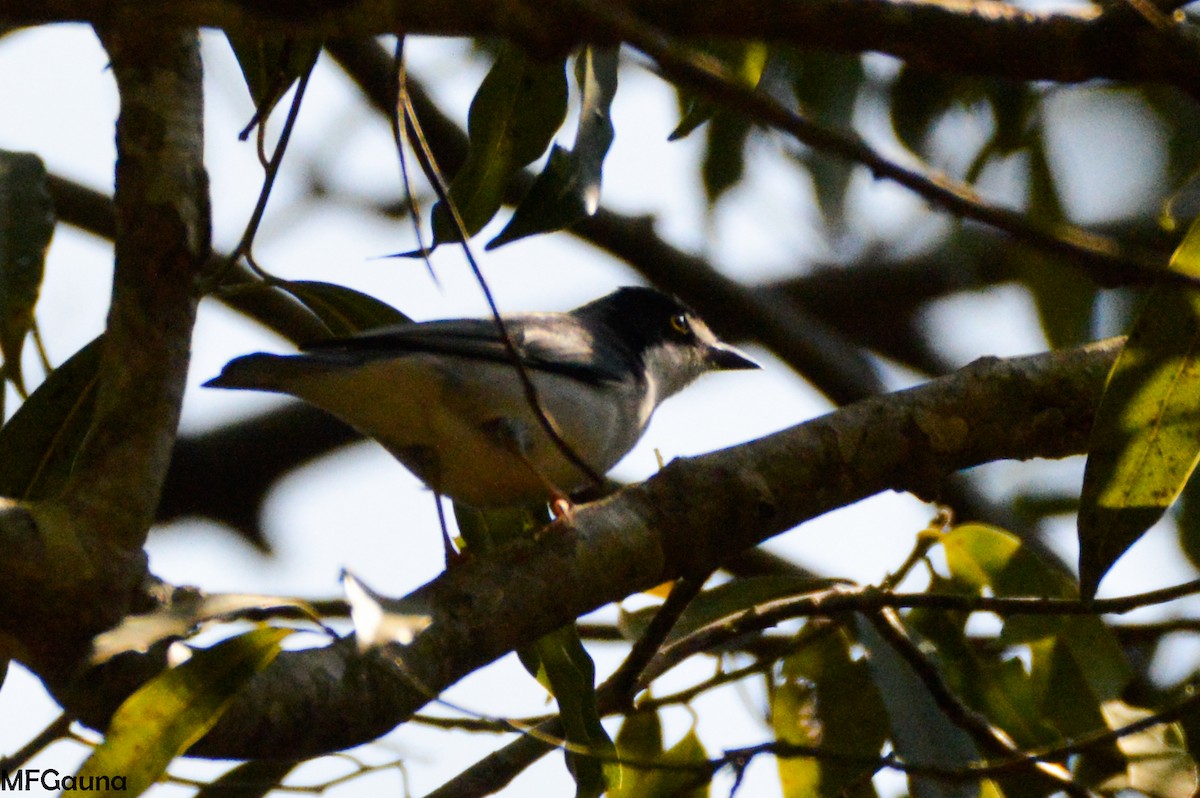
689	518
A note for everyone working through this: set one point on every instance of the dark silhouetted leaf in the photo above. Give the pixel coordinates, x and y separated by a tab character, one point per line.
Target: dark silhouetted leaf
343	310
26	226
271	64
39	443
568	189
920	731
1063	294
517	110
253	779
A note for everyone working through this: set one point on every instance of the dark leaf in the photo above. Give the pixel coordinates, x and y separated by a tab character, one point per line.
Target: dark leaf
343	310
271	64
26	226
39	443
254	779
517	110
568	188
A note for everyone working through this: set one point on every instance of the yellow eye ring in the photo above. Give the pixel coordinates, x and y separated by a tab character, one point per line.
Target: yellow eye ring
680	324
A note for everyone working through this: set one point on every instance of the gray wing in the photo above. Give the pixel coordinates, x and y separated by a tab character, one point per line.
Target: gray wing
549	342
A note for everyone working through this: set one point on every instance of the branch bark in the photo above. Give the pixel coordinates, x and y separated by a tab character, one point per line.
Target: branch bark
987	37
74	566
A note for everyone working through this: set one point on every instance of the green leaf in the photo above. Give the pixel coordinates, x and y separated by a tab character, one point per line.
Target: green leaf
1146	438
826	698
827	86
1076	661
343	310
640	740
271	64
568	188
175	709
724	161
919	99
26	226
565	667
253	779
1157	757
517	110
39	443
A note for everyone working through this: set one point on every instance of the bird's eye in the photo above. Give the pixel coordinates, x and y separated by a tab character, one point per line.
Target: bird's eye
680	324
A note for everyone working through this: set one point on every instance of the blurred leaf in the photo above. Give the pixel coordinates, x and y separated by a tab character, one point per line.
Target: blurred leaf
1188	528
39	443
26	226
271	64
1064	295
920	731
1076	661
1146	438
920	98
745	60
1159	763
568	189
825	698
253	779
827	86
175	709
724	160
517	110
1012	104
186	613
640	739
343	310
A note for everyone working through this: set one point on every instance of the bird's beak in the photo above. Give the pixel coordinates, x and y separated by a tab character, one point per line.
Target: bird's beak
728	358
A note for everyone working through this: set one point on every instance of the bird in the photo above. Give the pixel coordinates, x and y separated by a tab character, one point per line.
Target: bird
447	400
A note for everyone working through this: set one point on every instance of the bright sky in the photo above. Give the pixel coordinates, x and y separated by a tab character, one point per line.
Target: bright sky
362	511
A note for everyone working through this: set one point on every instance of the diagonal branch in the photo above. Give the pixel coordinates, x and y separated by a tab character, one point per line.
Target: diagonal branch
689	518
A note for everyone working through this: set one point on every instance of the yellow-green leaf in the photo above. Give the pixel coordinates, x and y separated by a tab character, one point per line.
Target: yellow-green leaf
1157	757
175	709
1146	437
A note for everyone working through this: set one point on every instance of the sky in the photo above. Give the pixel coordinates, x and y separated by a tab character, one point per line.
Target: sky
360	510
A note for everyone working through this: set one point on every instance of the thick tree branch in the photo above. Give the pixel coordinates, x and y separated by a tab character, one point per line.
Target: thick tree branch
162	243
74	565
991	38
689	518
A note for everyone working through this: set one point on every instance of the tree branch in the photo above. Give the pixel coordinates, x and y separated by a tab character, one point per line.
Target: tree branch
987	38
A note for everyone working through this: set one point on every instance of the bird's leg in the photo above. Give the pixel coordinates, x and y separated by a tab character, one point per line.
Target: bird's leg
514	436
